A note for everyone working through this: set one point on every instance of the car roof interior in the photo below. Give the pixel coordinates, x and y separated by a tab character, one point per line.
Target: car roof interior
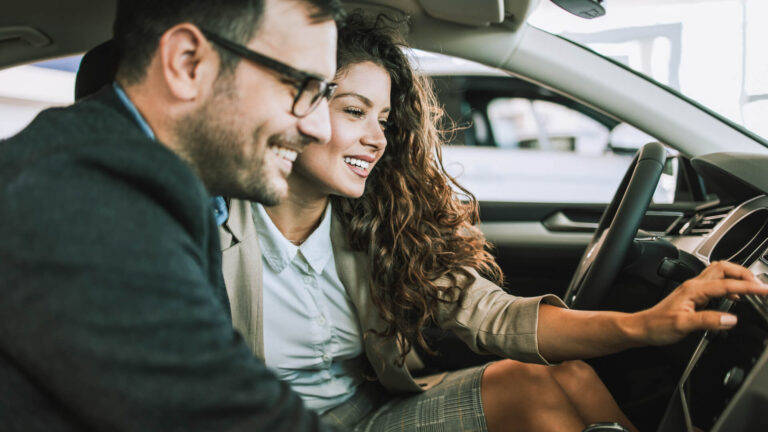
22	26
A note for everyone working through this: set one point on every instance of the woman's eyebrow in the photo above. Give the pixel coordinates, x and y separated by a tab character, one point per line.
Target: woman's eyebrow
362	98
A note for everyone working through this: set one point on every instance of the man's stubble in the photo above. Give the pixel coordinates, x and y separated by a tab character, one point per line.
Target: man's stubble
229	157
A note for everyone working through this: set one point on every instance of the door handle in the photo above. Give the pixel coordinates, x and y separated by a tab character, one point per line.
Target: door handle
558	221
28	35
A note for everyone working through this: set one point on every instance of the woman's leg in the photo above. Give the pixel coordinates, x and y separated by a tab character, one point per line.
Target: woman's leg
524	397
521	396
588	394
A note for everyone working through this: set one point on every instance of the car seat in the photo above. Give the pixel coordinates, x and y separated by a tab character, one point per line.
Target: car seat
97	69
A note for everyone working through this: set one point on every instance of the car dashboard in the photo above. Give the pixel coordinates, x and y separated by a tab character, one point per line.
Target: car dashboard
724	386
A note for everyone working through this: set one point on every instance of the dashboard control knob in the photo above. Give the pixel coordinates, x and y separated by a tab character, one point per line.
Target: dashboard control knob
676	270
733	378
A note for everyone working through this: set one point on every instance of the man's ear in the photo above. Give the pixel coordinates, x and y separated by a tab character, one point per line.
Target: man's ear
189	62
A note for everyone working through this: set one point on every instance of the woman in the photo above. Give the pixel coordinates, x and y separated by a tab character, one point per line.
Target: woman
373	243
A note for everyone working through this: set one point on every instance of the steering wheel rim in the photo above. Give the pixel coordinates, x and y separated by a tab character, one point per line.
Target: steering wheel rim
618	226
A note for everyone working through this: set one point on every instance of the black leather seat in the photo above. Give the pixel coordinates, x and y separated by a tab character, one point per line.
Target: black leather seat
97	69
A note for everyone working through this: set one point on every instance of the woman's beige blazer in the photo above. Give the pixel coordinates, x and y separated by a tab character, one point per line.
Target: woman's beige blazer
488	320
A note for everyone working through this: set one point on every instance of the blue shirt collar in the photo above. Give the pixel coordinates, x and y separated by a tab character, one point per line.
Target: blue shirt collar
220	210
217	203
134	111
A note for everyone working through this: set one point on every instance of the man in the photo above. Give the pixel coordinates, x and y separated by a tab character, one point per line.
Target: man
113	313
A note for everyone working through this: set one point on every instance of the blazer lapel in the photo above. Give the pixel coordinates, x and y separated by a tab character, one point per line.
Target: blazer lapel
242	269
352	268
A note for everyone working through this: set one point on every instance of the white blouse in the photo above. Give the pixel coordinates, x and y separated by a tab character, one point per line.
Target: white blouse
312	337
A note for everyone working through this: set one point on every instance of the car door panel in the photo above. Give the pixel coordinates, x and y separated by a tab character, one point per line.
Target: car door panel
535	258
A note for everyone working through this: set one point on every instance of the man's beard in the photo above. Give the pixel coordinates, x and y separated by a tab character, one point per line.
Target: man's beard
213	143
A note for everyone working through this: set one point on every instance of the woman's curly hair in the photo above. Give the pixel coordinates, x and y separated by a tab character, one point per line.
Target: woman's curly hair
414	221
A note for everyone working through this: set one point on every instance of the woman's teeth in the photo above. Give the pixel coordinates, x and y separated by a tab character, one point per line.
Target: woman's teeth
284	153
357	162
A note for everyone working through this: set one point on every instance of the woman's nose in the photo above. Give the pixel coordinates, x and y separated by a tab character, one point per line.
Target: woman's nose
375	137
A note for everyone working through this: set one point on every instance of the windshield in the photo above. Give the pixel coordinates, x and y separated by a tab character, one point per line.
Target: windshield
712	51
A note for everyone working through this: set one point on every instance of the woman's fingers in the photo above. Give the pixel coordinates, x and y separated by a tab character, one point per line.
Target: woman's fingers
701	291
677	315
710	320
722	279
725	269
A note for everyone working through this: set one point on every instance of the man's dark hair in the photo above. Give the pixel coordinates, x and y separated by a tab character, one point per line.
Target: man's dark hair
139	24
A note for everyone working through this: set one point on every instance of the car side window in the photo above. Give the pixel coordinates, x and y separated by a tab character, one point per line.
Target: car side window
538	124
519	142
28	89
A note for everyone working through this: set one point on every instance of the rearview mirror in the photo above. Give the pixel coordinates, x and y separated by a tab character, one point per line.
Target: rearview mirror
583	8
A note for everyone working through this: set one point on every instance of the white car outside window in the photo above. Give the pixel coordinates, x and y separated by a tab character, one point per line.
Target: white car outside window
527	148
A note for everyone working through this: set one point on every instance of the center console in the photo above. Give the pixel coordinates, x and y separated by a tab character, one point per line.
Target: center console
725	385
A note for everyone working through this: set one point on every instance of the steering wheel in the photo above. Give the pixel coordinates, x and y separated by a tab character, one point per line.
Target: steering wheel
618	226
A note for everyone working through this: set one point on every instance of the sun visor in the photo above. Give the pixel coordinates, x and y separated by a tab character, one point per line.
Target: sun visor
479	12
475	13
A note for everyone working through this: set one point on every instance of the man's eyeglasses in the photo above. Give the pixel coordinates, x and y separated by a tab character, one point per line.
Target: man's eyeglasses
311	88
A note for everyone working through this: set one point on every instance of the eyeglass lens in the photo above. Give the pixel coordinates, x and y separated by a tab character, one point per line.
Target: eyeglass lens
309	97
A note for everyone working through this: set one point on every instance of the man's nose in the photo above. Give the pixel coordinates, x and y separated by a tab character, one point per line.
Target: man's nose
316	126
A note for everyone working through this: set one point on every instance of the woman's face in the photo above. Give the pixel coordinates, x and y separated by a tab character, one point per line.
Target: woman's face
359	112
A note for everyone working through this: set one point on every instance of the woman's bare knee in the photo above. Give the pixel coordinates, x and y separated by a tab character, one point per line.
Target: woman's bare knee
588	393
575	371
521	396
506	373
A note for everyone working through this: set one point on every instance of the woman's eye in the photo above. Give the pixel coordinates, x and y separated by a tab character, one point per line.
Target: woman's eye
384	124
357	112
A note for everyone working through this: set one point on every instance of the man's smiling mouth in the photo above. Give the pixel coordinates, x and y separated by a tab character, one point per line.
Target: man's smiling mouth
284	152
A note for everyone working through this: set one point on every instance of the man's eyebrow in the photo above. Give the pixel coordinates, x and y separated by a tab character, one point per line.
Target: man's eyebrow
362	98
318	75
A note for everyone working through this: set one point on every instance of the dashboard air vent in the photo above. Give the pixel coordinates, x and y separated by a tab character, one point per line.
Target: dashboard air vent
702	223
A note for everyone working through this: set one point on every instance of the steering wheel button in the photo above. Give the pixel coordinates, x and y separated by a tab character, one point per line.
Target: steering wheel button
763	277
733	378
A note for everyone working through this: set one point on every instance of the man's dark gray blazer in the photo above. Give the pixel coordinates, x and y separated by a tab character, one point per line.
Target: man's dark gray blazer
113	312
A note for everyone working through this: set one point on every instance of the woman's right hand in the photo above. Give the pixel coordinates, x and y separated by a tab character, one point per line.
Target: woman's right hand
680	312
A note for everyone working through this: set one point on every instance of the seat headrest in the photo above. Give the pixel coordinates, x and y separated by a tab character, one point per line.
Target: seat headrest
97	69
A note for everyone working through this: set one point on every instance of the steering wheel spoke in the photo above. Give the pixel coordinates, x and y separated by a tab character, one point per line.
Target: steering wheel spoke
605	254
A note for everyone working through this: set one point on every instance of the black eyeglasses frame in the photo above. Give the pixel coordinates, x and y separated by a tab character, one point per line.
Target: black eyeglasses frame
299	79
